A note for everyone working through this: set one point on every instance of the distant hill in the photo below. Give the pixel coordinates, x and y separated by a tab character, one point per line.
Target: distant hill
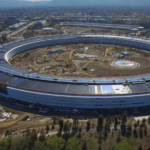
21	3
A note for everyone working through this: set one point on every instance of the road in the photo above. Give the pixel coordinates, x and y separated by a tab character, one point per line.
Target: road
21	29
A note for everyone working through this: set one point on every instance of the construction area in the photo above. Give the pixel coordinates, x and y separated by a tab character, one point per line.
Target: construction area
91	60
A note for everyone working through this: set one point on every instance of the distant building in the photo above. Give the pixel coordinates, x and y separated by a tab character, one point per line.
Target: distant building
94	18
85	49
23	19
59	19
41	23
56	51
4	33
140	28
6	115
37	18
47	29
126	53
1	23
13	18
17	26
99	25
82	19
134	30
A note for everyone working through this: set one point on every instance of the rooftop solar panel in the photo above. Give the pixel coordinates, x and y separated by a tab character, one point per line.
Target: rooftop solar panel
135	80
147	79
119	81
148	85
107	89
80	89
138	88
27	83
53	87
17	81
103	81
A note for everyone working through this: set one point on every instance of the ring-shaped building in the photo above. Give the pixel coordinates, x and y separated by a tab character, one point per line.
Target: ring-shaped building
68	91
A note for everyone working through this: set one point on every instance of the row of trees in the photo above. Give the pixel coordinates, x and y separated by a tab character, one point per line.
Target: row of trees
56	143
82	139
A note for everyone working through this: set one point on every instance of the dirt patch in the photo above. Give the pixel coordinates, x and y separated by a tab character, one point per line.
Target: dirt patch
76	60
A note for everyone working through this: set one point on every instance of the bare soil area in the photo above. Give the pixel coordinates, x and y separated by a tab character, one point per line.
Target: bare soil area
90	60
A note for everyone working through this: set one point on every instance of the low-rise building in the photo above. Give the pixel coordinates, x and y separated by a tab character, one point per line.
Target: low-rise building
41	23
12	18
17	26
134	30
47	29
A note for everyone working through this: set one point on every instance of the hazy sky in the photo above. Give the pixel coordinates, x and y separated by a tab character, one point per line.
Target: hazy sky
27	3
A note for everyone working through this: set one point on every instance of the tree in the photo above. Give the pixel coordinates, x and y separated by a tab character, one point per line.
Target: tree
32	138
140	148
42	136
145	131
124	118
100	120
92	144
138	122
109	120
34	135
116	120
84	147
38	145
3	144
4	38
127	144
106	130
135	125
141	132
10	139
135	133
88	125
129	130
73	144
80	130
118	136
54	120
148	120
100	137
7	133
66	127
28	132
47	129
75	122
21	143
56	143
29	34
143	121
119	117
61	123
